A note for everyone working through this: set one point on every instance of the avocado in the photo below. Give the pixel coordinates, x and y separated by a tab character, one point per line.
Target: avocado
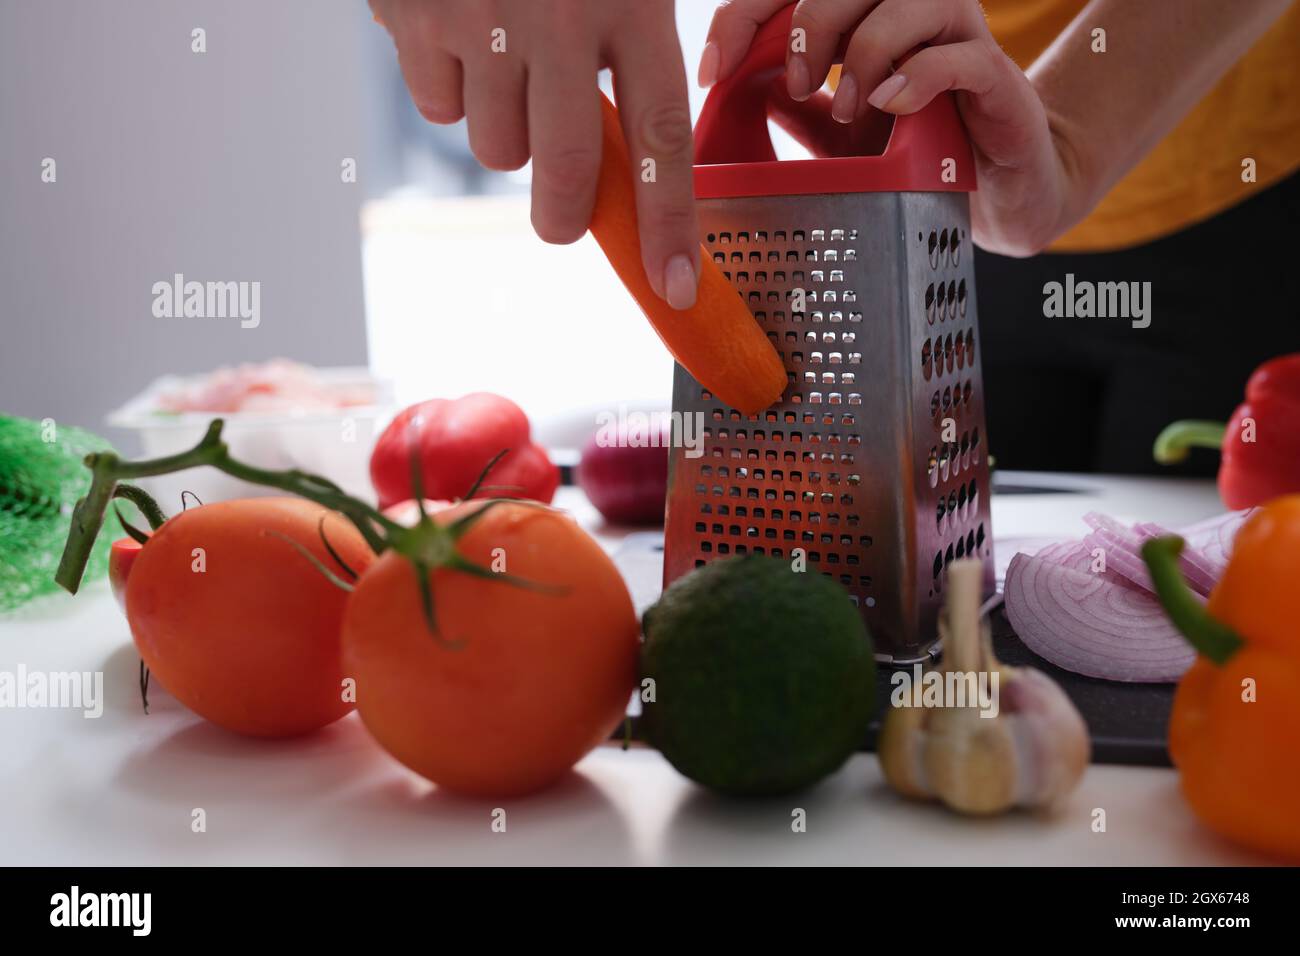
764	678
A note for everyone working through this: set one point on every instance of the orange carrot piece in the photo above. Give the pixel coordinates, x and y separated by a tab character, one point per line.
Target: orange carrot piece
717	340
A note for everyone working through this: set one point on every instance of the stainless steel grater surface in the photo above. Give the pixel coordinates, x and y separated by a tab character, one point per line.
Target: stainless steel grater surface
852	465
860	271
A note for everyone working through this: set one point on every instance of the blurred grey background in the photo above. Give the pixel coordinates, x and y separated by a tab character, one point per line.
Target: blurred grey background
223	165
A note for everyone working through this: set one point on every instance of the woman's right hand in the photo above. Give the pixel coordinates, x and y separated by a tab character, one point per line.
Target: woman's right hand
523	74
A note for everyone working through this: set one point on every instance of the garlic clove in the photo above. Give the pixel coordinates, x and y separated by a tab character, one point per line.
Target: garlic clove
900	748
1052	744
970	761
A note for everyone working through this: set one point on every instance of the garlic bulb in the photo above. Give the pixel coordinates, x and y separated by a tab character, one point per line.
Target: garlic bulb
1018	742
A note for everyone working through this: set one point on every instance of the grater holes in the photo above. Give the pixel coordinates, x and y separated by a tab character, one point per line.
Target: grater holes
970	347
954	247
961	298
949	355
927	358
929	304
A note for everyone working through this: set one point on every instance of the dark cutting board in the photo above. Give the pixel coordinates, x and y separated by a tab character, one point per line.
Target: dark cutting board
1127	722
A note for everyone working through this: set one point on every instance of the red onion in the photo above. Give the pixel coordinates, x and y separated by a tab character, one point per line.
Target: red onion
1120	558
1108	623
1083	623
1201	573
627	479
1213	537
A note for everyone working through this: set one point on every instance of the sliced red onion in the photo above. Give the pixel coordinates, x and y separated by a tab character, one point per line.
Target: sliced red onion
1121	532
1201	573
1213	537
1078	555
1121	559
1084	623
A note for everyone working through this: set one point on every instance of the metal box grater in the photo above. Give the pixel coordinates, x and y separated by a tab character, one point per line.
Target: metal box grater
873	462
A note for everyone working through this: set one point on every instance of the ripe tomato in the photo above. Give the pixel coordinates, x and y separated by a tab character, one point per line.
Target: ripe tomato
536	679
454	440
238	625
121	558
408	512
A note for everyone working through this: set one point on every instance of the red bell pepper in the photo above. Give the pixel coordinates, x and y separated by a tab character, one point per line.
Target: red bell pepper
1261	443
454	441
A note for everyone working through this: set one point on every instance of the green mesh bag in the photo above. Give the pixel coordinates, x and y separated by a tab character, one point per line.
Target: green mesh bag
41	478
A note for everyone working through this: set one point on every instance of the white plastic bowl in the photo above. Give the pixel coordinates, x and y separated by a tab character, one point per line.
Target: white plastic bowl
333	443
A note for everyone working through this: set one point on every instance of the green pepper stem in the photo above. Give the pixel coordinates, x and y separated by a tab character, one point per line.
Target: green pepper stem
1177	439
1211	638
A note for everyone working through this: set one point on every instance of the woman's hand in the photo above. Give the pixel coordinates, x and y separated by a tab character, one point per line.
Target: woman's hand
523	74
1026	194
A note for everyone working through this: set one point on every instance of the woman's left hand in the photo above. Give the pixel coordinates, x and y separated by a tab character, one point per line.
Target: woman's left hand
1026	194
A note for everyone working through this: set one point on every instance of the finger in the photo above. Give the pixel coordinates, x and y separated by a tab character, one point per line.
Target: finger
971	66
815	34
889	32
730	34
651	89
432	75
564	133
434	79
1000	95
381	12
496	110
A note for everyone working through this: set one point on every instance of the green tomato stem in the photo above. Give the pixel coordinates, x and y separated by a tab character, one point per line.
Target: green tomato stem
144	501
108	471
427	546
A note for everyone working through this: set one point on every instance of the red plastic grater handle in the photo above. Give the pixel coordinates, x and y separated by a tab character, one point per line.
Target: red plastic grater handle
734	154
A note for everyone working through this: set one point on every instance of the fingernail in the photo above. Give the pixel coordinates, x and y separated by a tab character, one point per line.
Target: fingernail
679	282
844	107
710	63
887	90
796	78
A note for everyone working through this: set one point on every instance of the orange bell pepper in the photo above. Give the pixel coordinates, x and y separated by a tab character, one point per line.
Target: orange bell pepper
1235	728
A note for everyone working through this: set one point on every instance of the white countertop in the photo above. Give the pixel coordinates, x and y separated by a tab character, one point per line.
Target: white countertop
123	788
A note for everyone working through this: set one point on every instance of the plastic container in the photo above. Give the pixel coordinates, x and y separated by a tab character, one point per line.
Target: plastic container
335	443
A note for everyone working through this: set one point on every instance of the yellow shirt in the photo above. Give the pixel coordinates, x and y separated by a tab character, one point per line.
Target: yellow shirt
1196	171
